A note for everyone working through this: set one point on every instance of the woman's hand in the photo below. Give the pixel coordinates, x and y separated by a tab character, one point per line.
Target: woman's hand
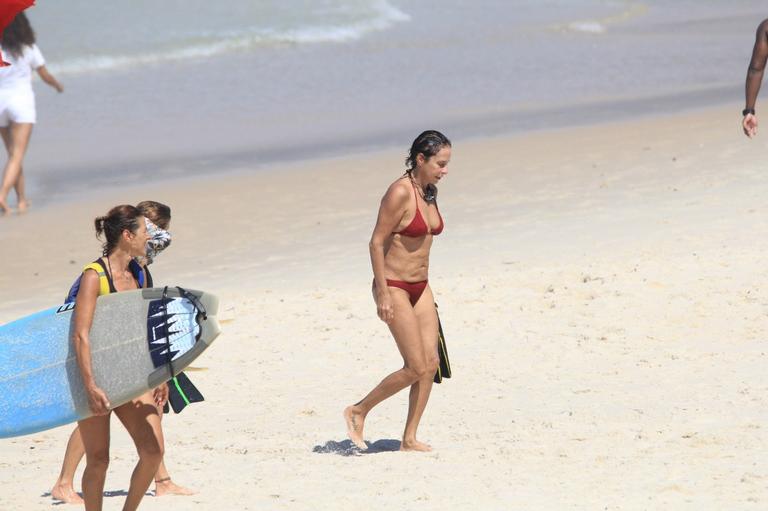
98	401
160	395
384	306
48	78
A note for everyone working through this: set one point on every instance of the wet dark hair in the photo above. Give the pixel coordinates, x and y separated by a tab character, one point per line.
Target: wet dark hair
157	212
17	35
427	143
114	223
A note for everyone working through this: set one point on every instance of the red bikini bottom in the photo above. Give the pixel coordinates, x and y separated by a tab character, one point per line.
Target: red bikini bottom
414	289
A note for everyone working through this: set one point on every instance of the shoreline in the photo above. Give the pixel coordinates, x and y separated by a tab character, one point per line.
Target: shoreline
62	183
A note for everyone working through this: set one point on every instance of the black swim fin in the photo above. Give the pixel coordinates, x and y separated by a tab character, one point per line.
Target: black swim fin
182	392
444	369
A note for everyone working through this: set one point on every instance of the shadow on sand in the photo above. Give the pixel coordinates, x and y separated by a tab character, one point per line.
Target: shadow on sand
108	493
347	448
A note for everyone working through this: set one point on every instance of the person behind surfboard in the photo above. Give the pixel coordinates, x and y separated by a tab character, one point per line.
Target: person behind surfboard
407	223
125	234
158	219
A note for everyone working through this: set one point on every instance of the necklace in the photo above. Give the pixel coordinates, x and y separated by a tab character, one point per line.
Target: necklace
429	194
111	273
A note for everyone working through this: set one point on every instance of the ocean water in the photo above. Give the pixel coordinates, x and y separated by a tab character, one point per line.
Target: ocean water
135	33
168	89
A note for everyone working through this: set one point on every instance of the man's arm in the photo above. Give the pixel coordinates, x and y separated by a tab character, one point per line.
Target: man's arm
755	78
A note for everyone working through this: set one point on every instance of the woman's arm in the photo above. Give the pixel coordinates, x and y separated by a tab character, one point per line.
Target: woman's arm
391	211
49	78
85	305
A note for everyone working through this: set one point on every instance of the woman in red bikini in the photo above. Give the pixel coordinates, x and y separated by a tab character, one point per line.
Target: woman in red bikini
407	222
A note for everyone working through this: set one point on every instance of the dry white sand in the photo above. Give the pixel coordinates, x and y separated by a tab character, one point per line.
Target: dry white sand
603	292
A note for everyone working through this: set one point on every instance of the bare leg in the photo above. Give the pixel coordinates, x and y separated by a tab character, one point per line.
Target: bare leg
95	435
24	203
5	131
419	395
16	139
141	419
64	488
163	483
165	486
407	333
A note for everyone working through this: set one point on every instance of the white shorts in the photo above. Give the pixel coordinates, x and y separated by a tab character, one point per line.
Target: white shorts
18	107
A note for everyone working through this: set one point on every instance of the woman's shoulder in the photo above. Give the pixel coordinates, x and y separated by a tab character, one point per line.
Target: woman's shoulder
91	277
34	55
399	190
98	265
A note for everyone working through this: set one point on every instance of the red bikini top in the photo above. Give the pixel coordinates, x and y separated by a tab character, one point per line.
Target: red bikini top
418	227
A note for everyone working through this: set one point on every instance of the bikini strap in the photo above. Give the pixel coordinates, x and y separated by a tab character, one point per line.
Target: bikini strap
415	193
423	217
108	273
105	279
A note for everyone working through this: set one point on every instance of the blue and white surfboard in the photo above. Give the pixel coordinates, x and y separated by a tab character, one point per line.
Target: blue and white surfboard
138	340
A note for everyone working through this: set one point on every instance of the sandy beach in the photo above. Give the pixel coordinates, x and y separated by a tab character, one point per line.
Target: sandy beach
603	292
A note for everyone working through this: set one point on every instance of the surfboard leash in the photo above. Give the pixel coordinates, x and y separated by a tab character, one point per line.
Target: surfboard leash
195	301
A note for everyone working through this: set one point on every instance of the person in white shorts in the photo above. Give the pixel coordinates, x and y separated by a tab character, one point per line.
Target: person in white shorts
17	103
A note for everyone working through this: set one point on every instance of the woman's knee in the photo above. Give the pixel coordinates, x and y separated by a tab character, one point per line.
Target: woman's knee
430	368
15	158
432	364
419	371
97	460
151	453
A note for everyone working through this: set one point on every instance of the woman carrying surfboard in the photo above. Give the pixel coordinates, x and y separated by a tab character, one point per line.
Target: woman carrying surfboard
158	219
125	234
407	223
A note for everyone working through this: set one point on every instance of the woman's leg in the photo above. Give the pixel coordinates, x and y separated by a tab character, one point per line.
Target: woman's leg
64	488
426	315
407	333
95	435
164	485
5	131
16	140
21	195
142	421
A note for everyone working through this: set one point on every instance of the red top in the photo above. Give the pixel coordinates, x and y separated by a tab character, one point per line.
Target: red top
8	10
418	227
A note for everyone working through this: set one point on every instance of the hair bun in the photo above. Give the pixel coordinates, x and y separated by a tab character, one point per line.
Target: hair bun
98	223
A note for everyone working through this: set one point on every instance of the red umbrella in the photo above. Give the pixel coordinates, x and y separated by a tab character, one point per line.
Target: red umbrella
8	10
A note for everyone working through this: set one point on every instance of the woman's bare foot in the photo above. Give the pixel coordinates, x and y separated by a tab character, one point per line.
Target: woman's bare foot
23	206
4	208
168	487
414	445
66	494
355	422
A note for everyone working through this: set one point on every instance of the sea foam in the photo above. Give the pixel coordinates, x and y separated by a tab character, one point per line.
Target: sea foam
209	44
